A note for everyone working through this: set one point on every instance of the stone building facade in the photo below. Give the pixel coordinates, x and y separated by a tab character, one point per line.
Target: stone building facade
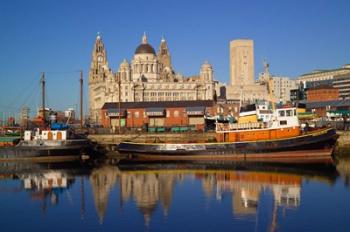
148	77
281	86
324	74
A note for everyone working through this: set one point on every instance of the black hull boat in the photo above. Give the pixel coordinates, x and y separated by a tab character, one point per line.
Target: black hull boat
67	149
316	146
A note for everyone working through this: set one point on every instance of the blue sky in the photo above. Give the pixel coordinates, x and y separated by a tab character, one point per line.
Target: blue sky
57	36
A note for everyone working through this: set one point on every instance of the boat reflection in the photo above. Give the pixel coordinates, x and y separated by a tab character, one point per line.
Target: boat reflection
45	182
46	187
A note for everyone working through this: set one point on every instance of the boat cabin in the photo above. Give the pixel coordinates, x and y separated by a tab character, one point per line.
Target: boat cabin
45	135
284	123
284	117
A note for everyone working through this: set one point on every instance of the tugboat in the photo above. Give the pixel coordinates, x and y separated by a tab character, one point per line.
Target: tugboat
280	139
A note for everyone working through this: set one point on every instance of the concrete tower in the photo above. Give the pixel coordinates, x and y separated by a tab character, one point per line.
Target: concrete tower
242	62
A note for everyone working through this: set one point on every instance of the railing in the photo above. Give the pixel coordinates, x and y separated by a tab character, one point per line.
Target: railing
239	126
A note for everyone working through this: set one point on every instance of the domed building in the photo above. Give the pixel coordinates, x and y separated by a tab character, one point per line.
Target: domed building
148	77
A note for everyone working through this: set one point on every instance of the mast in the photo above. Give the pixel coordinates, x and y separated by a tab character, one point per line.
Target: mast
43	95
119	104
81	99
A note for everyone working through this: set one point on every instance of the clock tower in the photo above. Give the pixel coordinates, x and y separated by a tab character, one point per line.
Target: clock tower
99	72
99	65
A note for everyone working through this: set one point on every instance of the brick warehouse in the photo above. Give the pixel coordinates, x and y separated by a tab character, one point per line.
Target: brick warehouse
157	116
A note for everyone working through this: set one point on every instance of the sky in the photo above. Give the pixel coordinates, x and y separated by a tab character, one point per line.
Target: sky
57	37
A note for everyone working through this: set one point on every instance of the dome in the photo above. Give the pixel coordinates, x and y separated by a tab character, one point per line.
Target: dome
206	65
145	48
124	63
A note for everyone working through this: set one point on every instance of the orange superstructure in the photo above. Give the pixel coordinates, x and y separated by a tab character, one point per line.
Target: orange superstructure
256	135
284	124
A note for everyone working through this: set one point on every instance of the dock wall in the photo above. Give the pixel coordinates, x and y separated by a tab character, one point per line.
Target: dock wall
114	139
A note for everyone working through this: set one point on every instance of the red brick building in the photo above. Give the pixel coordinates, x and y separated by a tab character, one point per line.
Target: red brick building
322	93
157	116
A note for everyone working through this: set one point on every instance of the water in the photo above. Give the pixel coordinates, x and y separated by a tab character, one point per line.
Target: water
102	196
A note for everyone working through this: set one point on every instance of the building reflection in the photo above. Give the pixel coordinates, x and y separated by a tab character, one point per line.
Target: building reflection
343	167
148	190
246	188
154	189
102	181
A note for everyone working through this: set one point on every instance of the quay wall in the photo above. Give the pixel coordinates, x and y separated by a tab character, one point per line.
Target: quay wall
344	139
114	139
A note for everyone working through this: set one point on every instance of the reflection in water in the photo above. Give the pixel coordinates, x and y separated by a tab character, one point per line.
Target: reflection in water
343	168
152	187
147	189
246	189
44	182
102	181
46	187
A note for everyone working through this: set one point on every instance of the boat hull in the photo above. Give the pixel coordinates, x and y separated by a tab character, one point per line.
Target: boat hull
317	144
46	150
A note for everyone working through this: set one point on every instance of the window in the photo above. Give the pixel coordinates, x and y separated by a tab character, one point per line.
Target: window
137	114
289	113
176	113
283	123
281	113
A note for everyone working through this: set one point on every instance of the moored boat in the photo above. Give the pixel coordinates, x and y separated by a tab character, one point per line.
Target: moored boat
9	136
46	143
55	143
281	138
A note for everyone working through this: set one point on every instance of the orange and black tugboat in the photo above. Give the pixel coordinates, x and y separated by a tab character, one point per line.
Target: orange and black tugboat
280	138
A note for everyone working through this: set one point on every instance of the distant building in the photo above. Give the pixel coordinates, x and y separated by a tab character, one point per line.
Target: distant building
322	93
323	75
242	62
227	108
342	82
321	108
297	95
282	87
24	118
220	90
149	77
243	85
